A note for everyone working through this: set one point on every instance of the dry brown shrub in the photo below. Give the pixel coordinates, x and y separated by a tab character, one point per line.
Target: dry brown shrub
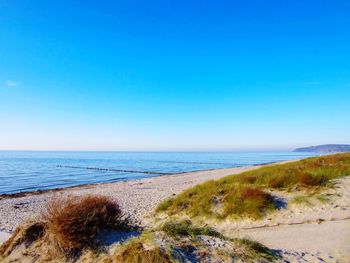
74	222
253	193
306	179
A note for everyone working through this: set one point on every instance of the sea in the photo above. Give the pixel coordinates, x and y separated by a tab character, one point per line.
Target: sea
24	171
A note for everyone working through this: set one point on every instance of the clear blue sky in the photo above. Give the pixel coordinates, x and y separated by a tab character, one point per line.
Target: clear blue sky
174	75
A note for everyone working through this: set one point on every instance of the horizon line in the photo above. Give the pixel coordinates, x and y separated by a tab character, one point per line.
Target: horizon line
151	150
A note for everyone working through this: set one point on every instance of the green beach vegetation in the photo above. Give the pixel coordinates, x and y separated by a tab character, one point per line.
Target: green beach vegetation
248	194
146	249
68	227
186	228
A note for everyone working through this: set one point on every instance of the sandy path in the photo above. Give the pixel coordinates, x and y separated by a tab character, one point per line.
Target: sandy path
328	241
137	198
316	231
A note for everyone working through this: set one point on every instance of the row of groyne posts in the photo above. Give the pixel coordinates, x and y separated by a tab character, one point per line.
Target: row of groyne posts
112	170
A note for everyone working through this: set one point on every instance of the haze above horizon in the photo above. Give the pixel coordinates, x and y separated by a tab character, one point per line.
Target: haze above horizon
174	75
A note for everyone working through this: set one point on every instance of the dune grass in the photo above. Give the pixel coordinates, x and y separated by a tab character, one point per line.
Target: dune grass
245	195
25	234
221	200
183	242
143	249
323	198
136	252
73	222
252	251
302	200
185	228
310	172
68	227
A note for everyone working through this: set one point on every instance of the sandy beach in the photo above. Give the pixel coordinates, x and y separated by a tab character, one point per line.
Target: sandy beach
137	198
316	230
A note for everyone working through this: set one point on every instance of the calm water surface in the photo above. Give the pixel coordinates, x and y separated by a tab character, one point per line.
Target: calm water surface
27	171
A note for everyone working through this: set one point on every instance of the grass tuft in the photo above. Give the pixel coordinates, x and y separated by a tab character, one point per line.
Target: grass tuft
185	228
73	222
137	252
165	205
302	199
251	251
323	198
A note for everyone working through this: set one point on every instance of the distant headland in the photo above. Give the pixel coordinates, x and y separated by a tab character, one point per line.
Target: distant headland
325	148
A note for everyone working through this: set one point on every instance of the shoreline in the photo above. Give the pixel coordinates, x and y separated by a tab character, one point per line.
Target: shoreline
59	189
296	231
137	198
